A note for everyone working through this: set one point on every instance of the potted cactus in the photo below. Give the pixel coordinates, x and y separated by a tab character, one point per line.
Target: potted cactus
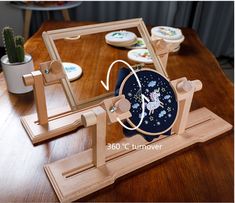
15	63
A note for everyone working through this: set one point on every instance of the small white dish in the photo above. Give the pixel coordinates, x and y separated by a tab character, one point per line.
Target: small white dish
72	70
140	55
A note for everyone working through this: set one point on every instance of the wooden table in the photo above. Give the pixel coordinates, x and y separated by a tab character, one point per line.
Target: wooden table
204	172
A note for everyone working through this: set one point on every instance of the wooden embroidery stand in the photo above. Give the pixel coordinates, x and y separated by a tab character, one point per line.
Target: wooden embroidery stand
86	172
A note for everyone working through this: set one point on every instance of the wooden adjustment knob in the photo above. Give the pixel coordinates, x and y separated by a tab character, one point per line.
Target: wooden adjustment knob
197	84
122	105
184	86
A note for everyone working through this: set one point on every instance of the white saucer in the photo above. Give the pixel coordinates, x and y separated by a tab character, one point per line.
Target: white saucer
140	55
72	70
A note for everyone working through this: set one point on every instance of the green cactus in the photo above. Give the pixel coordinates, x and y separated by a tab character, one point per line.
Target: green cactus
19	53
14	46
19	40
9	43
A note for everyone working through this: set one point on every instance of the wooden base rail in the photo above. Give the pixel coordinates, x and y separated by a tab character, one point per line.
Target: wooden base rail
77	176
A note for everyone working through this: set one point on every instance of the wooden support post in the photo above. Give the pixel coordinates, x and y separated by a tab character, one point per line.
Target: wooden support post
35	79
184	108
96	119
185	90
164	59
162	50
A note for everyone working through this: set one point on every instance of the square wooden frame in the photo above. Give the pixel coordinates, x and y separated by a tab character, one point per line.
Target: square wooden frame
38	133
50	36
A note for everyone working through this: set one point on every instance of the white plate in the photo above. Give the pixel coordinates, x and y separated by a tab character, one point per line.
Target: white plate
120	37
140	55
72	70
140	44
165	32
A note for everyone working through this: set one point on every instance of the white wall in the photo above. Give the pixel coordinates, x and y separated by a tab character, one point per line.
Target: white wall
10	16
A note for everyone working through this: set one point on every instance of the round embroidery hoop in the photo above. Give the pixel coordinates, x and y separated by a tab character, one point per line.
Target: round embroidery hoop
167	33
153	126
72	70
121	38
138	55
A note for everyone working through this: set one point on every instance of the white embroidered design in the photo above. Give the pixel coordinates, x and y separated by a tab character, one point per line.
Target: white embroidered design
155	102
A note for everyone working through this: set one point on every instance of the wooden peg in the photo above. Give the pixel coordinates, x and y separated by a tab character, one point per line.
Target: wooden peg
88	119
28	79
36	79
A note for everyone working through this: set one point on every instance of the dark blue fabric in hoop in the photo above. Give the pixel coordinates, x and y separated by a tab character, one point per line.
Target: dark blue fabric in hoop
123	72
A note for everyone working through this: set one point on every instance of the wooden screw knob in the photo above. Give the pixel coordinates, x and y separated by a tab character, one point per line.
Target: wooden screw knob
184	86
197	84
122	105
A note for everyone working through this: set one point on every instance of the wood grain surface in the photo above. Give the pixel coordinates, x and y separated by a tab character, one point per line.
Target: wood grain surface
203	172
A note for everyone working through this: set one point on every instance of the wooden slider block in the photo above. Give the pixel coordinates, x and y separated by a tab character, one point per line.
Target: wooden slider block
76	176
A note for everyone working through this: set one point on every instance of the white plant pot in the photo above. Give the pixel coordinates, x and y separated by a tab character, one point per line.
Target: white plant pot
13	73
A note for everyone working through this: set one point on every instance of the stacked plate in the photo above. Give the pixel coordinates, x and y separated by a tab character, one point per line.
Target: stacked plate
168	34
121	38
129	40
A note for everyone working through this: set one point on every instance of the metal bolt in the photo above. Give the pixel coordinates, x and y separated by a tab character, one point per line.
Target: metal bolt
47	71
113	109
